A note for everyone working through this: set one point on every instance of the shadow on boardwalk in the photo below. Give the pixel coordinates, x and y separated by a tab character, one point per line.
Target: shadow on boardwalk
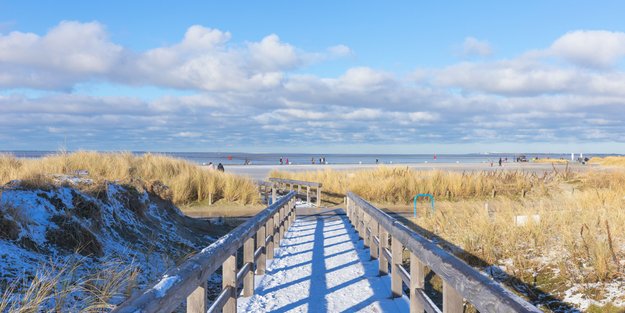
322	267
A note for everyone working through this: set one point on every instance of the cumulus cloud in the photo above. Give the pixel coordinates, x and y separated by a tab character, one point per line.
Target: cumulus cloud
257	94
472	46
601	49
69	53
73	52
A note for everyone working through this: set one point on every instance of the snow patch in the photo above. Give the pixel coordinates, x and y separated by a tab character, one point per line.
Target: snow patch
164	285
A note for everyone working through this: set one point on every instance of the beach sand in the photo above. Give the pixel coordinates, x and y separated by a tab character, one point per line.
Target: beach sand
261	172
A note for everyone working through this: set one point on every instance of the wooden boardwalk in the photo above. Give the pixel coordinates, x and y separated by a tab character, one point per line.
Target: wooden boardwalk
323	260
322	266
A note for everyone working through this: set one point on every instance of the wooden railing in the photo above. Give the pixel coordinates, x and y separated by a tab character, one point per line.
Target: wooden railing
291	184
258	236
460	281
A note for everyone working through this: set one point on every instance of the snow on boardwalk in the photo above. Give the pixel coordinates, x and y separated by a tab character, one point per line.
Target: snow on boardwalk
322	267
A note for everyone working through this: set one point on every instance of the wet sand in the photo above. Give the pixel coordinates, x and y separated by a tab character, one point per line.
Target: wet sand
261	172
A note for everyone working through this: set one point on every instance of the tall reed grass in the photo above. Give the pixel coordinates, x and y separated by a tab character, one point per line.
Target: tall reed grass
187	181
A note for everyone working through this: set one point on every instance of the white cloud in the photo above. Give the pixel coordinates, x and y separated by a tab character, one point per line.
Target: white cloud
254	93
69	53
594	48
473	46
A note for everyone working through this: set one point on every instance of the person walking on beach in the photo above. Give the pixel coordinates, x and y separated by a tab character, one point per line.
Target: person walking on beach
377	161
220	167
500	161
281	161
312	160
287	161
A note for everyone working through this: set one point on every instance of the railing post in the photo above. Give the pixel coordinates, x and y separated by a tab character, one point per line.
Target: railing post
383	262
248	257
366	219
308	194
196	301
293	214
269	231
229	275
273	193
262	259
373	250
452	300
276	230
396	252
299	189
318	196
282	221
417	281
361	223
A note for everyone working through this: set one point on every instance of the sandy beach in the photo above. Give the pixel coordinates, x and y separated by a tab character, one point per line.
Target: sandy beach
261	172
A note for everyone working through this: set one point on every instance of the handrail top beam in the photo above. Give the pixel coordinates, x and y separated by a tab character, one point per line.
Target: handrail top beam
485	294
177	283
294	182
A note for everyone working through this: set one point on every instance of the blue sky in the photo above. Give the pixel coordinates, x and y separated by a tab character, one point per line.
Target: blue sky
352	76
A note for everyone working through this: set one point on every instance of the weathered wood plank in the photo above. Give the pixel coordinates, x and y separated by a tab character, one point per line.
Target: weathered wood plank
452	300
396	250
261	259
319	196
373	250
417	281
382	248
196	301
229	280
248	259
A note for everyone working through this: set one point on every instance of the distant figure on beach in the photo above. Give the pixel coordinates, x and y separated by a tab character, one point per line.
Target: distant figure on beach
281	161
220	167
377	161
500	161
287	161
211	166
312	160
320	162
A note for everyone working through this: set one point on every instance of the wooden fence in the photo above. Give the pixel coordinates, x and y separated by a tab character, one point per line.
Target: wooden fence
188	282
292	184
460	281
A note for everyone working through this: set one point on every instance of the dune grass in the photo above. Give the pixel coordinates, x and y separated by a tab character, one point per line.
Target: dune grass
549	160
610	161
400	184
187	182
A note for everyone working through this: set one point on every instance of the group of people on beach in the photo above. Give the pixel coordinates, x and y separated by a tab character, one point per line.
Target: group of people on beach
322	160
212	167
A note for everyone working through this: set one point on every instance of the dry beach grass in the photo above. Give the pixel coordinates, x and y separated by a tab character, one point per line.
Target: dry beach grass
187	182
571	235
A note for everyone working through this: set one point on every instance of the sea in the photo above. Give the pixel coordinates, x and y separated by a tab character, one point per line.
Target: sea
234	158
